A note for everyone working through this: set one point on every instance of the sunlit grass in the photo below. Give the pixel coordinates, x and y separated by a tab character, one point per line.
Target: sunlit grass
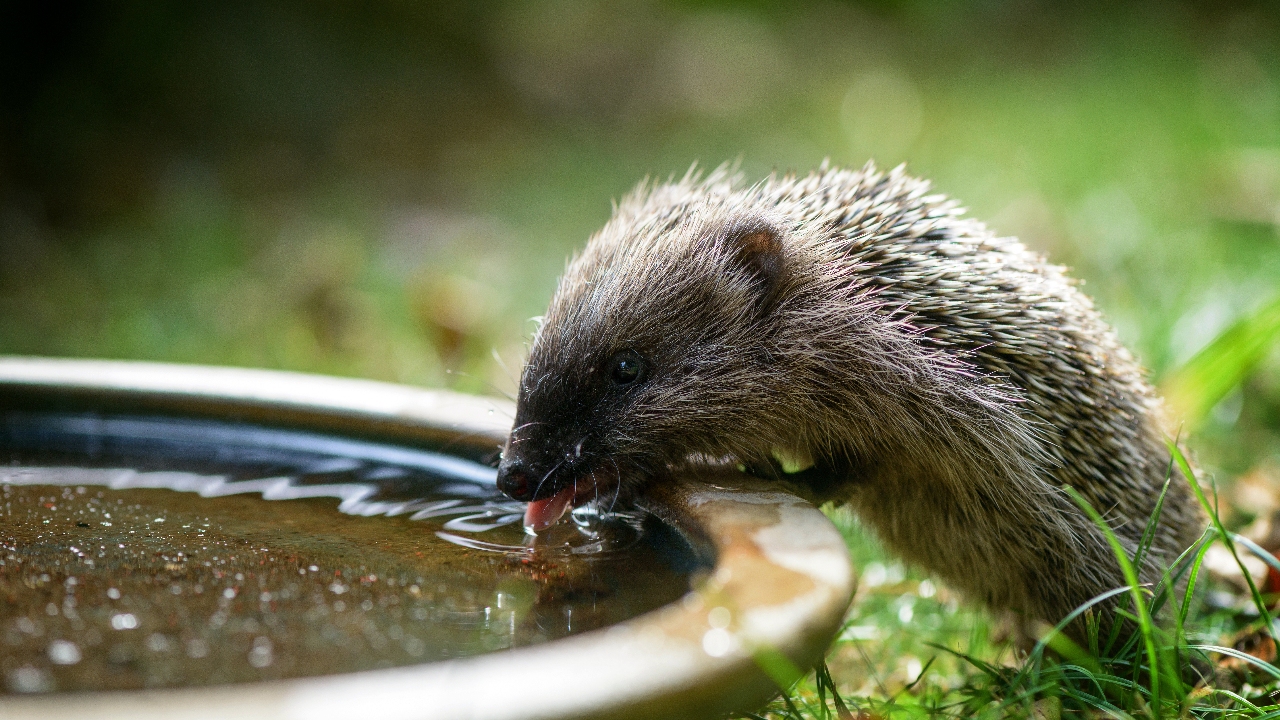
1206	379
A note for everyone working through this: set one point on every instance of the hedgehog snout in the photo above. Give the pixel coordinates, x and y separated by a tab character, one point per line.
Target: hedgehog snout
513	480
526	474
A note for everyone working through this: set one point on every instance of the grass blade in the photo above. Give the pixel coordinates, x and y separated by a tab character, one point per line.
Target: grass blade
1227	538
1135	590
1257	550
1266	667
1206	378
1153	522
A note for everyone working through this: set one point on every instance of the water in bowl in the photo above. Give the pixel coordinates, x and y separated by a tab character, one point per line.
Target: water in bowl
140	552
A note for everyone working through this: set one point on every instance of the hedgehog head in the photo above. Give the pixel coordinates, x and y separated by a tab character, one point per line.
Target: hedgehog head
653	341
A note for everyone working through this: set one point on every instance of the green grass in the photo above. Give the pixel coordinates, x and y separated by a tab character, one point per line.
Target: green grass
1154	673
1195	388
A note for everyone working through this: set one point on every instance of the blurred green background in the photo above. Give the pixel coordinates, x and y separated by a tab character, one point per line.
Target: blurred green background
388	189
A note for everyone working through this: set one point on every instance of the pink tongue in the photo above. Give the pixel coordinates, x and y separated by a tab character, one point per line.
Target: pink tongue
542	514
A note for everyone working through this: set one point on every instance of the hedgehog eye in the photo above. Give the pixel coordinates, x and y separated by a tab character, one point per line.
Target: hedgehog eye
627	367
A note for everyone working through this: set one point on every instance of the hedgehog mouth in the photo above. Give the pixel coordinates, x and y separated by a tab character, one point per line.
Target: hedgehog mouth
542	514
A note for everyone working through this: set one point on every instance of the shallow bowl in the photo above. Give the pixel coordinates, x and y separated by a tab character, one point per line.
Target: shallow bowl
780	584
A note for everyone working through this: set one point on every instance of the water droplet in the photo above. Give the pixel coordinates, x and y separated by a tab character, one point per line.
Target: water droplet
124	621
158	643
260	655
63	652
30	680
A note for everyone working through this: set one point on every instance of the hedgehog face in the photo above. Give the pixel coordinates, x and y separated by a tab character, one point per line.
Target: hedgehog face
586	424
646	335
568	446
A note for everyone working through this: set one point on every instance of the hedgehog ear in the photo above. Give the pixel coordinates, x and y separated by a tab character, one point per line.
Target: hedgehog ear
757	247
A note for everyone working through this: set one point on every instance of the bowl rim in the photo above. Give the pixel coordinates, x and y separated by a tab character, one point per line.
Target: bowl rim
782	572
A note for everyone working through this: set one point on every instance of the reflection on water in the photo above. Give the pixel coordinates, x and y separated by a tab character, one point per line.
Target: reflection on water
143	552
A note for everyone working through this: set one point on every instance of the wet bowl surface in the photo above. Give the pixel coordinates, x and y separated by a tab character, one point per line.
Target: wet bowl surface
148	552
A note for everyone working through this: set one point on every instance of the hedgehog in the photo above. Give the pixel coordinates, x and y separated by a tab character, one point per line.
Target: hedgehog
854	335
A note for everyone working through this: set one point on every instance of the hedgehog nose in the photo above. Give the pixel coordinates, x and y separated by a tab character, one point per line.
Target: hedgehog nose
514	482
